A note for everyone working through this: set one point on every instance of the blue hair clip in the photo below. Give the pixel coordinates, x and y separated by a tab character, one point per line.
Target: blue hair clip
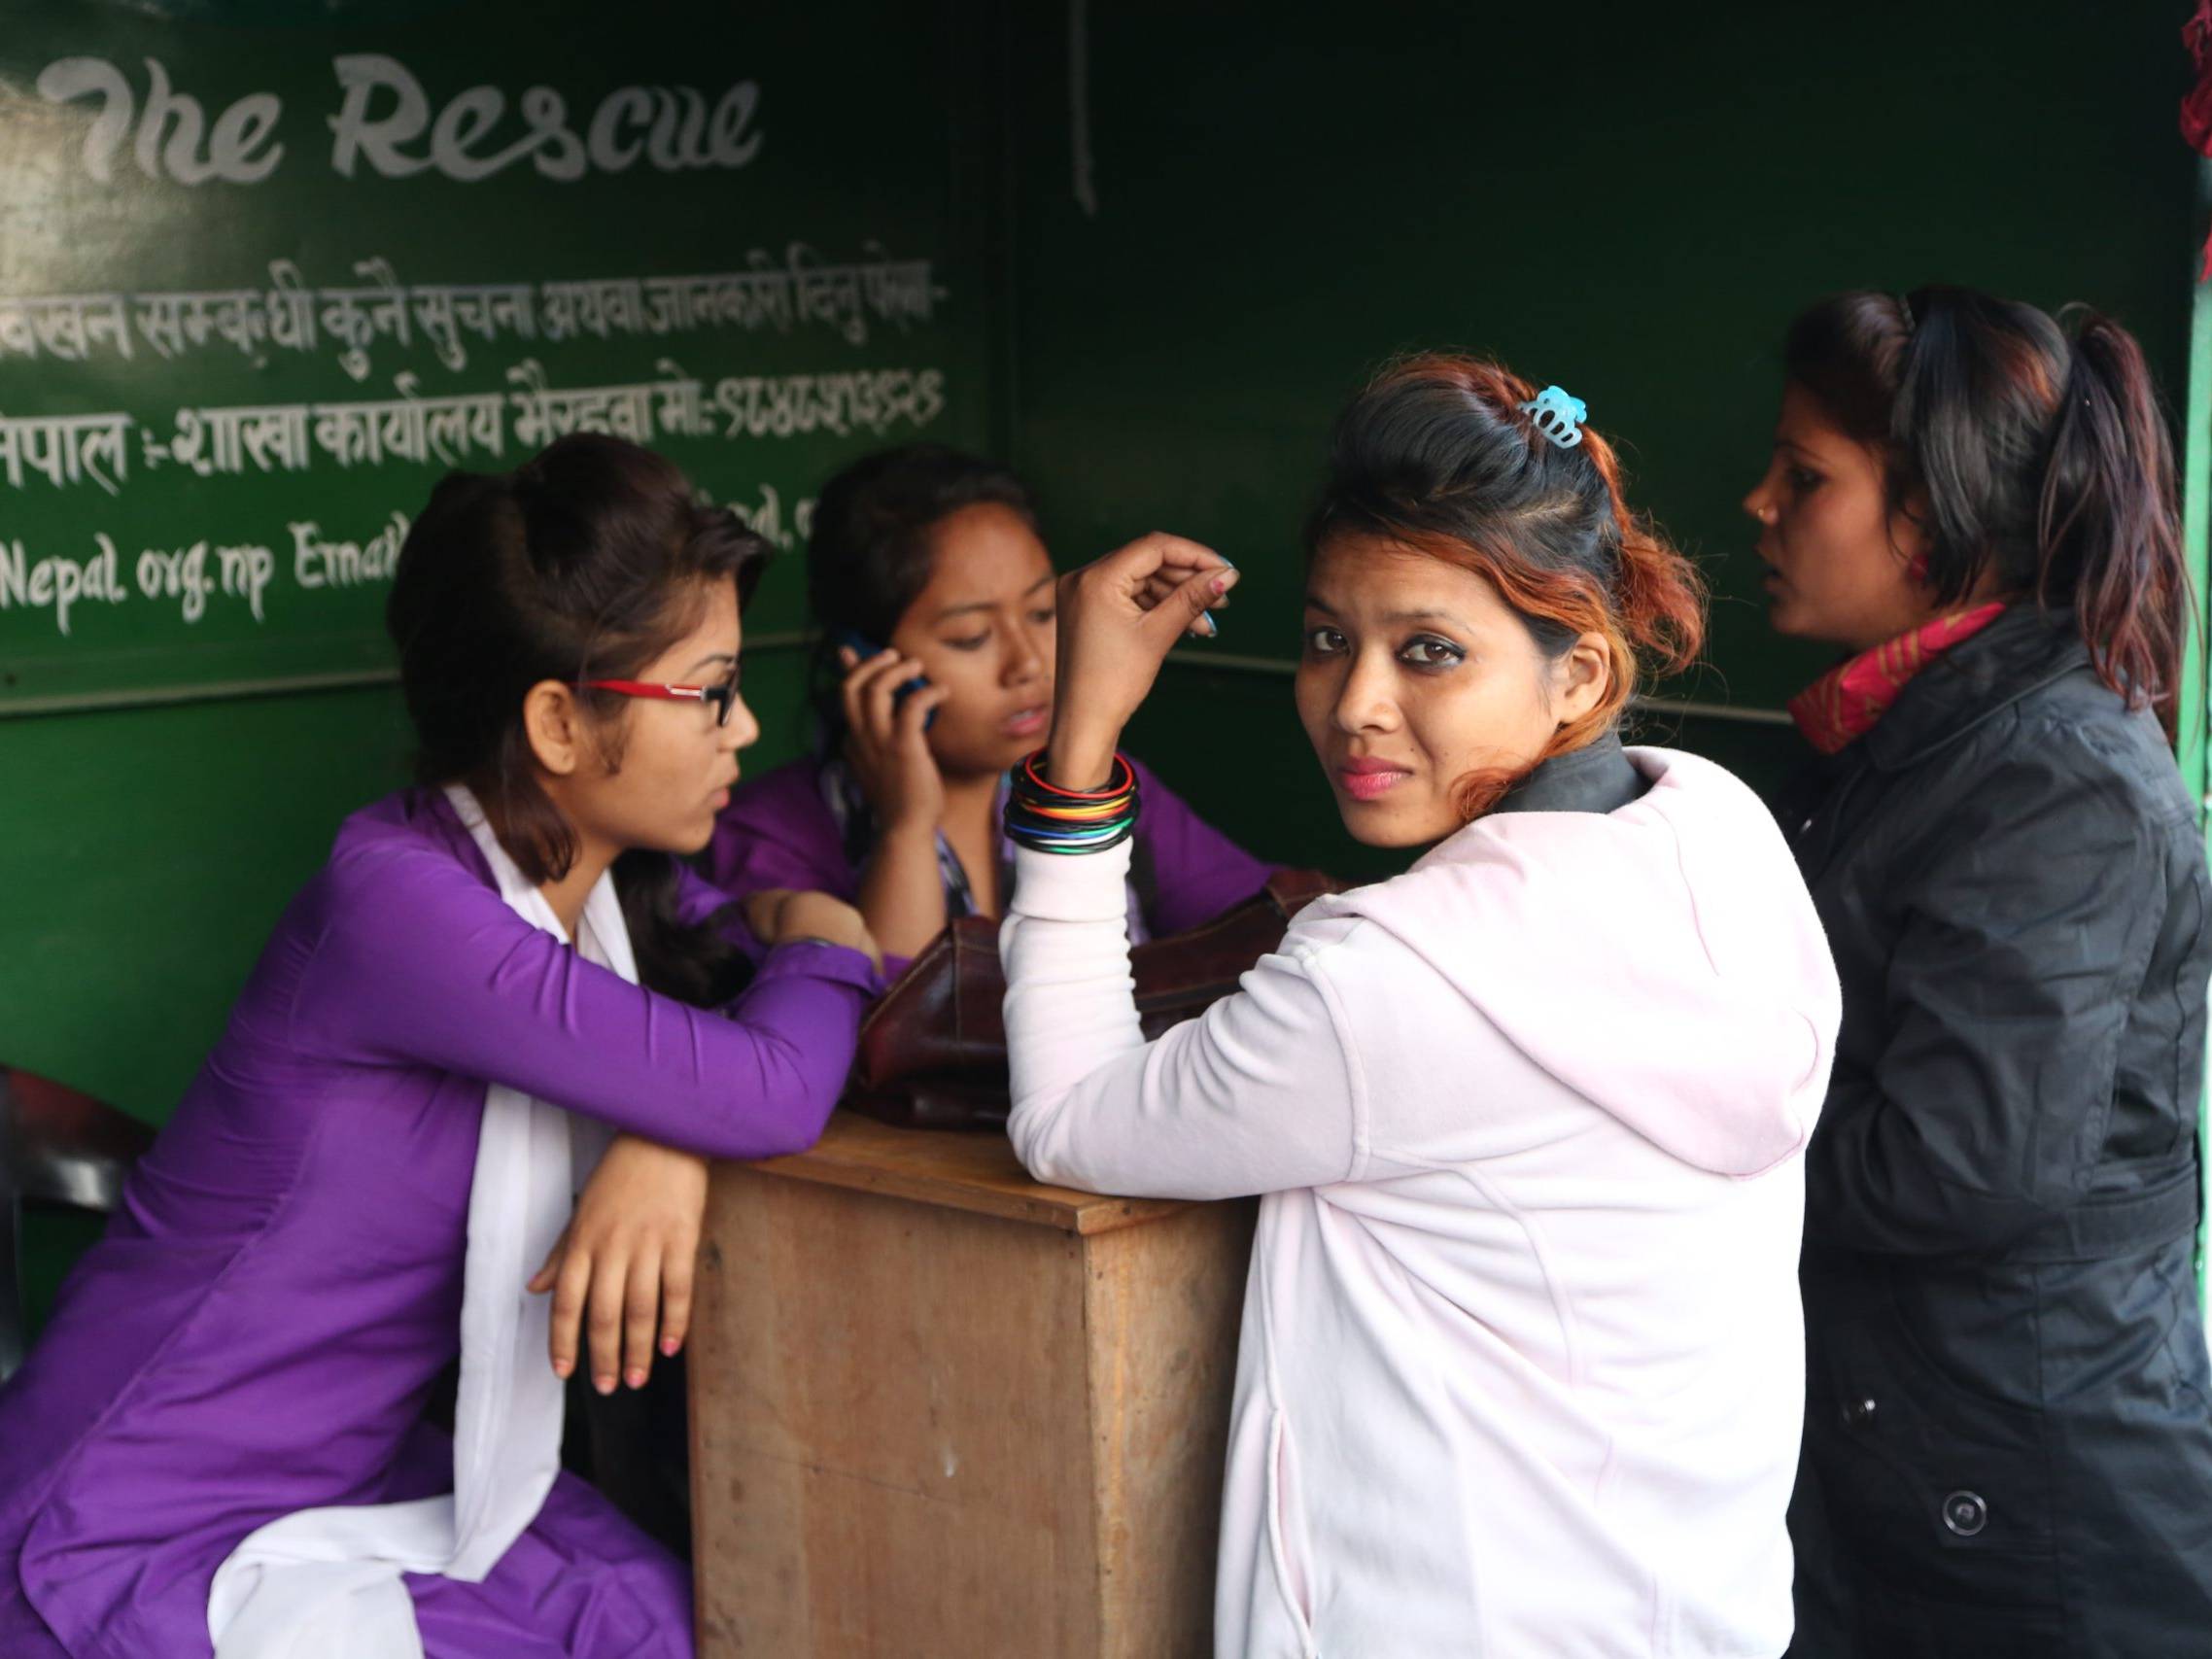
1558	416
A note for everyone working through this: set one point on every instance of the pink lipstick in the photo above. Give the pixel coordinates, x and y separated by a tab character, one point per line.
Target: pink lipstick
1369	780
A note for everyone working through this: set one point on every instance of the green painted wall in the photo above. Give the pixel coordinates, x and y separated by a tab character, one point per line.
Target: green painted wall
459	237
1630	201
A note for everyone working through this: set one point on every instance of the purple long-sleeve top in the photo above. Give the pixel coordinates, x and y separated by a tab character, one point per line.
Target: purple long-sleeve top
259	1329
783	829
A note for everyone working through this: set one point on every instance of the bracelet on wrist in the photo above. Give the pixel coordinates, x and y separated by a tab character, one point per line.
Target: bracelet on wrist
1121	781
1045	817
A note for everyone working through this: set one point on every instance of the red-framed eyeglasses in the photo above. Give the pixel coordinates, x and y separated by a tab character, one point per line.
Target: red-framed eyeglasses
721	698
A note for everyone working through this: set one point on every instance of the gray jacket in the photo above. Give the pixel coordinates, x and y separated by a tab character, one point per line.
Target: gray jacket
2008	1444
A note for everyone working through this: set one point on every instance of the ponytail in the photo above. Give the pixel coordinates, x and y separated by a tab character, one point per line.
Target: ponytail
2107	530
1659	596
689	958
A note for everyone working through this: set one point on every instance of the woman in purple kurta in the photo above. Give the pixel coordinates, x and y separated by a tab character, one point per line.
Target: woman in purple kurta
934	591
261	1328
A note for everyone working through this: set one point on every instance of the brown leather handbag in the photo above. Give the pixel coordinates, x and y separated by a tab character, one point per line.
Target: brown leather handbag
933	1051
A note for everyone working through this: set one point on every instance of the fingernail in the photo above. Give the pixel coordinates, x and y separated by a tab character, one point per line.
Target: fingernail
669	1346
562	1368
605	1385
1219	585
635	1378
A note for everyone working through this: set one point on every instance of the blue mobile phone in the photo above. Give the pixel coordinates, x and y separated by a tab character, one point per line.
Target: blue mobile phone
863	648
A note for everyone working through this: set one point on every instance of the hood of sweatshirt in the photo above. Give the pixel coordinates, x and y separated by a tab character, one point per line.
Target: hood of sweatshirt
1663	960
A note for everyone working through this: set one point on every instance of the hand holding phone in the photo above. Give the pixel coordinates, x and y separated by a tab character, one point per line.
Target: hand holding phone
889	707
863	650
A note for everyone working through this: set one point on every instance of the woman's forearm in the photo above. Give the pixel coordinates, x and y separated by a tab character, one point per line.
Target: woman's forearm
1255	1097
902	894
1081	753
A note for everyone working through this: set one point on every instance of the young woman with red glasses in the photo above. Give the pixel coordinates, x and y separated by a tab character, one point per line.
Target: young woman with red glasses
502	984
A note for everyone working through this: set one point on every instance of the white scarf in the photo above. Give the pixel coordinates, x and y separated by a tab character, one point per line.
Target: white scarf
324	1583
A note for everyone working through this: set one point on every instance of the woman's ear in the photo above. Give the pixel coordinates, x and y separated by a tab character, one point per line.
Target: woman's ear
553	722
1581	678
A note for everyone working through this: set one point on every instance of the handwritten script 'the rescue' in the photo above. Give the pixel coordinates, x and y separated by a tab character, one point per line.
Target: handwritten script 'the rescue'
387	123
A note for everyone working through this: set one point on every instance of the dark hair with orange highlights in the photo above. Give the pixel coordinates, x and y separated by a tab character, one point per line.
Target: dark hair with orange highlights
586	562
2031	450
1437	455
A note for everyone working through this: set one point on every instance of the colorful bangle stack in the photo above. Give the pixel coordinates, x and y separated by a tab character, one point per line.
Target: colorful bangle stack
1044	817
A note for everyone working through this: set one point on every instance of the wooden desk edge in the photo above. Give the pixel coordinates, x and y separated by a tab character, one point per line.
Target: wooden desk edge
956	1169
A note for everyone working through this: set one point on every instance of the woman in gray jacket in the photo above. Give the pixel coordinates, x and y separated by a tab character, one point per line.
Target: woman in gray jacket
2008	1446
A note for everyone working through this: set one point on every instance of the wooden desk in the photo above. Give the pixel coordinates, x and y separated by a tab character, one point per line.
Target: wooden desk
939	1412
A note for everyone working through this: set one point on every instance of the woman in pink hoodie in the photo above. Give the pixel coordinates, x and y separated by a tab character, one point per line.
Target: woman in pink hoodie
1522	1366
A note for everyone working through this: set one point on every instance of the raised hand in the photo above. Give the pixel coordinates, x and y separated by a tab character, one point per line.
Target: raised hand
886	741
1118	617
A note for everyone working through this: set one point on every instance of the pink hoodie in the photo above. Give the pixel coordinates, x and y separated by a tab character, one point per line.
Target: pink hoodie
1522	1367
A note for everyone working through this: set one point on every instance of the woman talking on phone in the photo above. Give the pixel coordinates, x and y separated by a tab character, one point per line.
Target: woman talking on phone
934	593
